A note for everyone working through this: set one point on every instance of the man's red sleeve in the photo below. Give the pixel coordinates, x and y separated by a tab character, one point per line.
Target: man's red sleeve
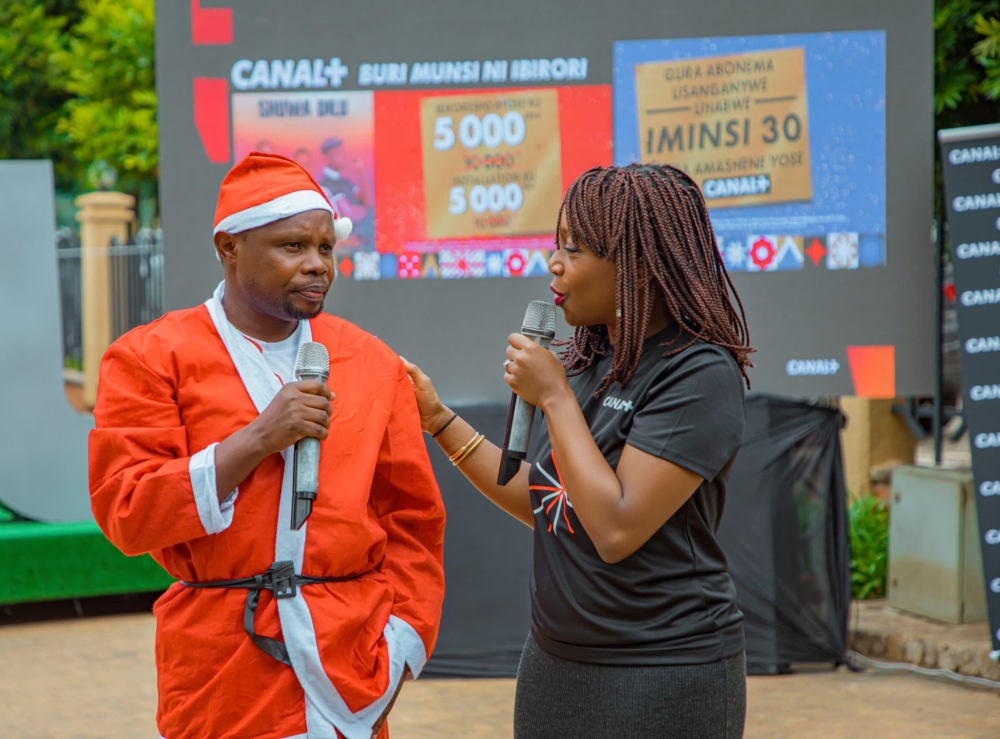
140	468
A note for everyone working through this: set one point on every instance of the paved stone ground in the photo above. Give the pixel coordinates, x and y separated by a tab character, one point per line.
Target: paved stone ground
93	679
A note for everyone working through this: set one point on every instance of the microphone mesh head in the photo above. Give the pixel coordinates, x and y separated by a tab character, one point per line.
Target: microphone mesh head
540	317
312	360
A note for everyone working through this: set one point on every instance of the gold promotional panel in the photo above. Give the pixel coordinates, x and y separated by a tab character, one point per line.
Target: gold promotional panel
738	124
492	163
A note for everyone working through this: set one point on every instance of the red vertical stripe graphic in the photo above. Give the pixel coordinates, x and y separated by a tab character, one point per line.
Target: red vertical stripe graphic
211	117
211	25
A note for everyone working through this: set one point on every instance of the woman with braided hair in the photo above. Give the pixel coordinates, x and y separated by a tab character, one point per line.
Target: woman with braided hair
635	630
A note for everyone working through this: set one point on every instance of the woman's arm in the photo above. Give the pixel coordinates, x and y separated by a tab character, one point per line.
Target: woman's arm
481	466
620	509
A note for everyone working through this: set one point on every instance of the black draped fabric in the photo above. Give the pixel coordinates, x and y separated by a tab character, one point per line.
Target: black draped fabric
784	532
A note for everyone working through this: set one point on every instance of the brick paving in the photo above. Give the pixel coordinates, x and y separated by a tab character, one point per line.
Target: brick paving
94	679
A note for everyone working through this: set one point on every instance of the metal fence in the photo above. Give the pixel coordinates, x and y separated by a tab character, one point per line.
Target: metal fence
135	286
70	298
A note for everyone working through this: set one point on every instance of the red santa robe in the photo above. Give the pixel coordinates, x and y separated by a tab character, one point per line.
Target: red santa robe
168	393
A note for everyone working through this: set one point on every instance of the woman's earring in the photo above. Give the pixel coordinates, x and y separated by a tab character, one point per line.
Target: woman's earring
618	313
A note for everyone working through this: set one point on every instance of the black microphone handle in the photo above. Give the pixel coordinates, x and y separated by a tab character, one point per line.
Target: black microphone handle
520	416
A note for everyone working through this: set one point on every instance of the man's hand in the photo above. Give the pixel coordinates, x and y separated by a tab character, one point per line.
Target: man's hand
300	409
385	714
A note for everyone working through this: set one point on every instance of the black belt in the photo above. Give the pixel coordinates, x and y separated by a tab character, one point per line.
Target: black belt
281	580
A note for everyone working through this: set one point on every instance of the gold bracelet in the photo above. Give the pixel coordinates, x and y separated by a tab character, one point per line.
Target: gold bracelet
475	445
462	451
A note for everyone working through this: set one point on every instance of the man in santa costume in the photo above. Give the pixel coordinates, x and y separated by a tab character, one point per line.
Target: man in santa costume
272	632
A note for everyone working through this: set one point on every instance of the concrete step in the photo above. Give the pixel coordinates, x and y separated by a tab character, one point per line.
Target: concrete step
881	632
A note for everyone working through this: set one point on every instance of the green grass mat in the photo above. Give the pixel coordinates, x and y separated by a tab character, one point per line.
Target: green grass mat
52	561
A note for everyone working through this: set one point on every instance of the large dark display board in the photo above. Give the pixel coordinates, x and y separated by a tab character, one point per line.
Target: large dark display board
449	131
970	161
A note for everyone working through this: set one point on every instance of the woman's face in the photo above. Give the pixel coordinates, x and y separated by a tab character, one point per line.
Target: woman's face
583	283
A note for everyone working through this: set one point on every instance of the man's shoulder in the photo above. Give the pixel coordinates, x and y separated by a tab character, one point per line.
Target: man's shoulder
343	337
171	331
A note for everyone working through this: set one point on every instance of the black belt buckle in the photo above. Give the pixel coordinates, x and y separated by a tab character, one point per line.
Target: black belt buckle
282	578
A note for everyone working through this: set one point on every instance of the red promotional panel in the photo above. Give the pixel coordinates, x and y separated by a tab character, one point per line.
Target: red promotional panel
469	182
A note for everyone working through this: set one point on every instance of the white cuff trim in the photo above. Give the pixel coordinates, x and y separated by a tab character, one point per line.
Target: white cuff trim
285	206
215	516
410	643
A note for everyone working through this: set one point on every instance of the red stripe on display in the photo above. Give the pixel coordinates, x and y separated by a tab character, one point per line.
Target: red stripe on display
873	370
211	117
211	26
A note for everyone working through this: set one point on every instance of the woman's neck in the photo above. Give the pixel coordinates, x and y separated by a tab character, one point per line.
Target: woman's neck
658	320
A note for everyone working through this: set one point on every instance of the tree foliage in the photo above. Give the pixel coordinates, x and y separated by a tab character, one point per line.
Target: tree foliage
31	97
108	69
77	85
966	62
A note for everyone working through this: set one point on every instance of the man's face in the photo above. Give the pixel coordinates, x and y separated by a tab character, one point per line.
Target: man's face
284	269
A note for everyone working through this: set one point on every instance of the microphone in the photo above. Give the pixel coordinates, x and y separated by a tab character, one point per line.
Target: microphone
539	325
312	363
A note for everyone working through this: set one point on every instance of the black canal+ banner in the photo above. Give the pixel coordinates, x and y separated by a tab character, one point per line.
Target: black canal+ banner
970	161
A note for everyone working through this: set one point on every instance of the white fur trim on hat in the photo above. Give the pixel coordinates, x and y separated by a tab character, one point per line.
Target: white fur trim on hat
342	227
284	207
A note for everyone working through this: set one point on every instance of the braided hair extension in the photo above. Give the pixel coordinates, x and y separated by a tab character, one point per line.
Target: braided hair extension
652	220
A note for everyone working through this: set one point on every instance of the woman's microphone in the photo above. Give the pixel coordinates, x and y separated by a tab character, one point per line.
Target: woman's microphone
539	325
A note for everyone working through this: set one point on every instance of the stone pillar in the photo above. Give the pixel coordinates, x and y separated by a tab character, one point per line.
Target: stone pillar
102	216
872	437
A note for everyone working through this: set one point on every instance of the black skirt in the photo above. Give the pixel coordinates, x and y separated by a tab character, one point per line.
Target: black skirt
559	698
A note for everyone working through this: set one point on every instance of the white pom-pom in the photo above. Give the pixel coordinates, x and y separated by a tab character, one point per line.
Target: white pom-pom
342	227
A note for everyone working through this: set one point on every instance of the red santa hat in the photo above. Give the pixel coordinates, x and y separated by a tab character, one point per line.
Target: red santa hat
264	188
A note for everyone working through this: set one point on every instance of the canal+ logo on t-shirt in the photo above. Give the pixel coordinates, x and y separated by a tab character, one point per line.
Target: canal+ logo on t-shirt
618	404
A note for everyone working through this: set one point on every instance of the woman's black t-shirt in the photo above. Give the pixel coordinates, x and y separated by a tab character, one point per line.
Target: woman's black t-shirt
672	601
